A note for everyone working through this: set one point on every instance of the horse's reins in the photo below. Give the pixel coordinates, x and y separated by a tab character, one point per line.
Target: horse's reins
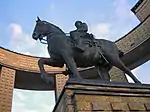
45	40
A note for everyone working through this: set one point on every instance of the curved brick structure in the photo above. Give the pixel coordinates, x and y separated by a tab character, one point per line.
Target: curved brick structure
22	62
16	68
142	9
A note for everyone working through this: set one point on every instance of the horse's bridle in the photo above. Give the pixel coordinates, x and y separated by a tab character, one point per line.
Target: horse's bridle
44	40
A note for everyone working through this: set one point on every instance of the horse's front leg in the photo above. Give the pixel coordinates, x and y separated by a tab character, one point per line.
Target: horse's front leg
47	61
71	66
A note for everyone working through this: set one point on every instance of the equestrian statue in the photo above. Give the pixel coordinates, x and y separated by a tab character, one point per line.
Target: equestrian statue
80	49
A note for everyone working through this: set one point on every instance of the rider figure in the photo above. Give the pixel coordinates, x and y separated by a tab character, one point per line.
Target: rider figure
81	31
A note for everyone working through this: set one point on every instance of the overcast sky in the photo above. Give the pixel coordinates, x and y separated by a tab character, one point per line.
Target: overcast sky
108	19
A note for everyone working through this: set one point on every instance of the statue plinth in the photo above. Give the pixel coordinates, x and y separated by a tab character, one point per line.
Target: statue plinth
89	95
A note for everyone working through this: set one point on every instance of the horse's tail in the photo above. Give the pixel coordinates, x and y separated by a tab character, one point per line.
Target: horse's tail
121	53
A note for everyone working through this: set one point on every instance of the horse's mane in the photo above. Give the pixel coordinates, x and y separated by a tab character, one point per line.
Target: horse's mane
53	26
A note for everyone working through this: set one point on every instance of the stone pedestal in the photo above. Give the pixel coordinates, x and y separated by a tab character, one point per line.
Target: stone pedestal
92	95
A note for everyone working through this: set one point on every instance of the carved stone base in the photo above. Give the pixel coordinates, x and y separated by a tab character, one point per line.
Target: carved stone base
91	95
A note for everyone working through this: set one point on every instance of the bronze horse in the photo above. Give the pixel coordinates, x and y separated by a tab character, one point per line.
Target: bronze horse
103	54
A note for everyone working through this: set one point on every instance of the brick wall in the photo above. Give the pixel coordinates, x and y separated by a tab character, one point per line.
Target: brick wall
7	78
143	10
60	82
135	37
22	62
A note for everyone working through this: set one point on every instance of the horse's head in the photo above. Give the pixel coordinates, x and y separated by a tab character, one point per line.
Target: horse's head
40	30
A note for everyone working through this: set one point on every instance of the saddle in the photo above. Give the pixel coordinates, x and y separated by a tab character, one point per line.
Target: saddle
93	42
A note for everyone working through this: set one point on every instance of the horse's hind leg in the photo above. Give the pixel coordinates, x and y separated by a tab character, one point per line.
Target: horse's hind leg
104	75
115	60
103	72
100	73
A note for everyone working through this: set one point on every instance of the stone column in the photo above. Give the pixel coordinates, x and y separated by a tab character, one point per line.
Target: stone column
60	82
7	79
117	75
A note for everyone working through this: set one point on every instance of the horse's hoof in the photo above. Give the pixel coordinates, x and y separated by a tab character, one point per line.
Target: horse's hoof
49	81
47	78
65	72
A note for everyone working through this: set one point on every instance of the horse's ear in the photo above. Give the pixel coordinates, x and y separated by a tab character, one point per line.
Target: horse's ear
38	19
